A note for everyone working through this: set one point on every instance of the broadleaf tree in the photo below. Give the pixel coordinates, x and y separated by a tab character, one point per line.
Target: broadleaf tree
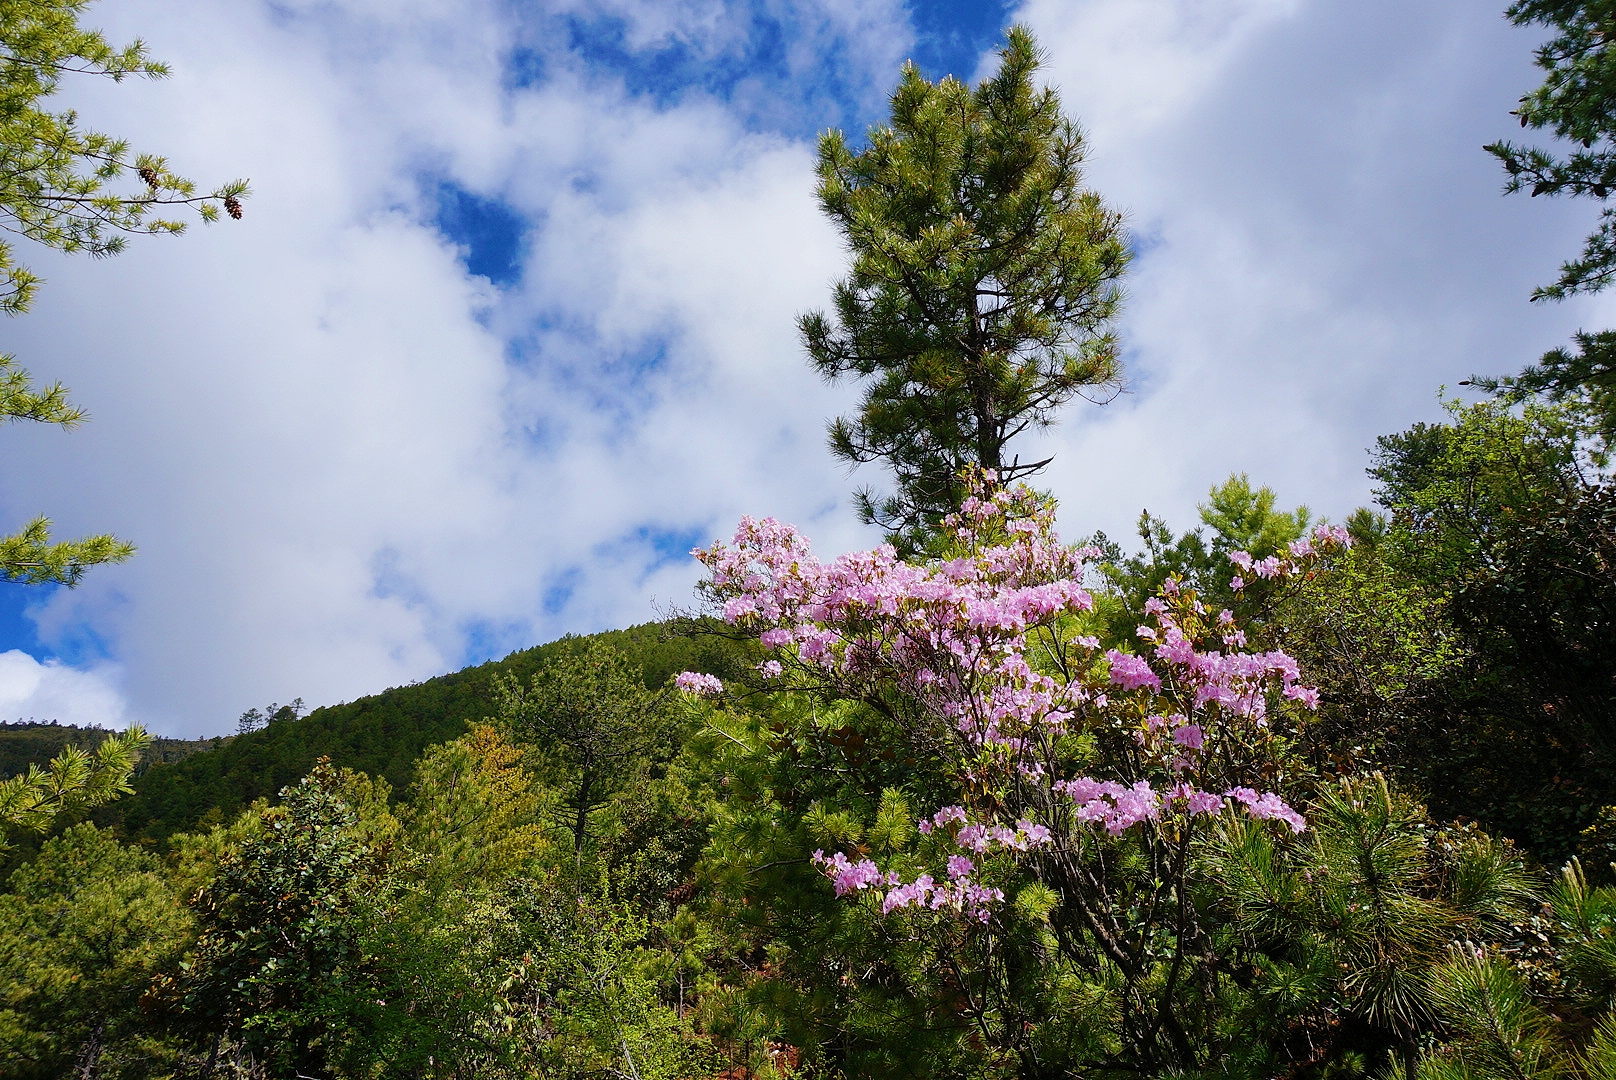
59	187
984	281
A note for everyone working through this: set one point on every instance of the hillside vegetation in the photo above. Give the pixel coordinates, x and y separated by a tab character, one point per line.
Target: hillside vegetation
381	735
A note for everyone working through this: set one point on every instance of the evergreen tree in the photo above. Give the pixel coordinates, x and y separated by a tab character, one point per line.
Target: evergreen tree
83	930
593	726
57	189
983	285
75	780
1577	103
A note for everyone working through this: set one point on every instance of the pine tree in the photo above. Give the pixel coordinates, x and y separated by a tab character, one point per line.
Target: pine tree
591	724
75	780
57	189
1577	103
984	282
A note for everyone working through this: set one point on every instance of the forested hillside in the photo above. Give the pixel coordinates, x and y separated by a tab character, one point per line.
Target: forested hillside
26	743
381	735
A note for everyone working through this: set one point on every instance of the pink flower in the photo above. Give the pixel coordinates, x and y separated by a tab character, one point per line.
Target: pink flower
1035	835
702	685
1130	672
1270	805
1307	695
1189	736
848	876
914	894
959	866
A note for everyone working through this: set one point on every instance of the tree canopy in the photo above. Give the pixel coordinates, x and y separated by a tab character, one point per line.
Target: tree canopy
983	284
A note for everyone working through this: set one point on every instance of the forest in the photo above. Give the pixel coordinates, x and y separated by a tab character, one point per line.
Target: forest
1260	795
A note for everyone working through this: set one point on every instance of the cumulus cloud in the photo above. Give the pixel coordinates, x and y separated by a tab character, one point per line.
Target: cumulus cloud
1322	242
30	690
350	463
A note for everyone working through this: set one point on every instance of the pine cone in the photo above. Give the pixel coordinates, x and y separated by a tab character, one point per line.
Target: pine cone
232	206
148	174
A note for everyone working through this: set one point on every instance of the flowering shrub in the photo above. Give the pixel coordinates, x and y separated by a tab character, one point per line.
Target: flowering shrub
698	683
1063	753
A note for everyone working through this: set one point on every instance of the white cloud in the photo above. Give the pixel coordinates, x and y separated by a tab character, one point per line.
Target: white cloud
1324	242
344	458
50	691
341	455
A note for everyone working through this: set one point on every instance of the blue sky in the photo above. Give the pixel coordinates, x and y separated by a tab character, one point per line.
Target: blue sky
508	325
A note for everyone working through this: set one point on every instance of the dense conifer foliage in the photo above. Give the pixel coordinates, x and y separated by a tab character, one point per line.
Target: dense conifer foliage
984	282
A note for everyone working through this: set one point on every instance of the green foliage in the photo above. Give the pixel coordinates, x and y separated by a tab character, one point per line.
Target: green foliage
599	989
381	734
1506	521
35	742
1497	1031
20	401
592	723
473	815
278	961
74	781
1586	378
1348	929
1239	517
84	928
983	283
801	776
1574	102
31	557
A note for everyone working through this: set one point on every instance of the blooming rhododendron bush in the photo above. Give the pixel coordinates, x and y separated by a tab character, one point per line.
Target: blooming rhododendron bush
1038	800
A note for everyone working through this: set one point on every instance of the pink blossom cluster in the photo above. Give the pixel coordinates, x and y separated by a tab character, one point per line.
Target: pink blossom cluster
1267	805
959	893
1237	682
979	837
1116	808
953	635
1324	537
847	876
698	683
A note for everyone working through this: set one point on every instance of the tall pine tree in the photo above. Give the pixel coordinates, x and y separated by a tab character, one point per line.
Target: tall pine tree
983	286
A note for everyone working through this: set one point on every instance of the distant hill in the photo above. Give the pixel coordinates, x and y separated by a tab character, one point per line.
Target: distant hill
382	734
30	742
